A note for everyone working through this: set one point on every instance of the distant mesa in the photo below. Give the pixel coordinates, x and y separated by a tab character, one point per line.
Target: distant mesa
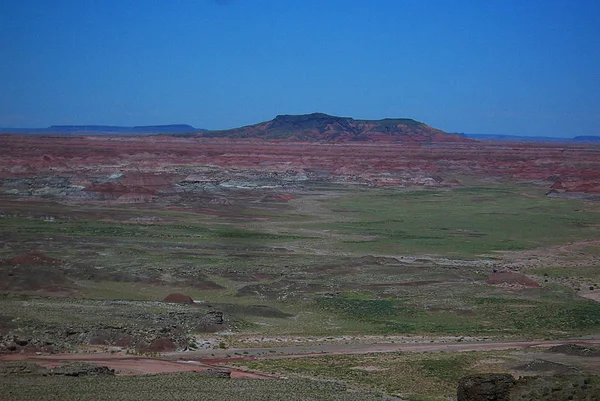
320	127
178	298
107	130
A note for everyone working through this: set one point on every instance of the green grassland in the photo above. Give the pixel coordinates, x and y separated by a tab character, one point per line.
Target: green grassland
464	222
434	376
320	257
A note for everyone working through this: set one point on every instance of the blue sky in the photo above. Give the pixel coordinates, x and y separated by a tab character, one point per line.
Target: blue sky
526	67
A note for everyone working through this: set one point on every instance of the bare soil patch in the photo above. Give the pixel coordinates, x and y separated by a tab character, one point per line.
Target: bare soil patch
511	278
543	366
33	258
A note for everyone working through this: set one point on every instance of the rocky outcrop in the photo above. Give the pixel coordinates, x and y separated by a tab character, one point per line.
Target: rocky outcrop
168	334
486	387
575	350
78	369
556	388
504	387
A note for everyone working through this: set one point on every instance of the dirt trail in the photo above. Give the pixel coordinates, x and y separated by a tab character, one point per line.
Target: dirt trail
213	359
130	365
208	356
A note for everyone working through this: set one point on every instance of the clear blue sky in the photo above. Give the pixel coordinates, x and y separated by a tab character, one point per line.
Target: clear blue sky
529	67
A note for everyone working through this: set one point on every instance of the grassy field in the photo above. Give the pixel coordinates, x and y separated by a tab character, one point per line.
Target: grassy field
174	387
464	222
334	262
431	376
434	376
321	257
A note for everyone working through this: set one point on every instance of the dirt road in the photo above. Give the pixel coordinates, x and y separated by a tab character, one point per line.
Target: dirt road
209	359
298	351
129	365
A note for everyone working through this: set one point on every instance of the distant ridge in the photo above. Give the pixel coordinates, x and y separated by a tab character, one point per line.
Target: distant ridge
320	127
587	138
103	130
513	138
523	138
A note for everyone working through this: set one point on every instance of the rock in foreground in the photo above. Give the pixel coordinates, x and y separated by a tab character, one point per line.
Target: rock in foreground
487	387
503	387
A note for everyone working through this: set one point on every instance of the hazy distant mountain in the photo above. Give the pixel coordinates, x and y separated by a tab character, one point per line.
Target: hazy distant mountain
587	138
103	130
513	138
319	127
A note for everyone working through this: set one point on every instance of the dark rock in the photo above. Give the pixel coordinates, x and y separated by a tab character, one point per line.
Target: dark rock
81	369
216	316
556	388
218	373
485	387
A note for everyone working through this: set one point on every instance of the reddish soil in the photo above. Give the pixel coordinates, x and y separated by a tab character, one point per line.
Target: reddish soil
34	271
130	365
142	169
161	345
33	258
209	359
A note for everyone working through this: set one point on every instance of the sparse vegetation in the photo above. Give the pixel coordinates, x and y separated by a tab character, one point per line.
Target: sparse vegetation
431	376
285	261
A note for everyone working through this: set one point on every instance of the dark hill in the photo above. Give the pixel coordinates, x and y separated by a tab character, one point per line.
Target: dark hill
317	127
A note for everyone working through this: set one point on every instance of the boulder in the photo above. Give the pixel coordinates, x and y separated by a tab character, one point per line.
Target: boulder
485	387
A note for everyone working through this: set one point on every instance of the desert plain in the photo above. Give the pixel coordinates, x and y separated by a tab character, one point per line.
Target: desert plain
215	268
